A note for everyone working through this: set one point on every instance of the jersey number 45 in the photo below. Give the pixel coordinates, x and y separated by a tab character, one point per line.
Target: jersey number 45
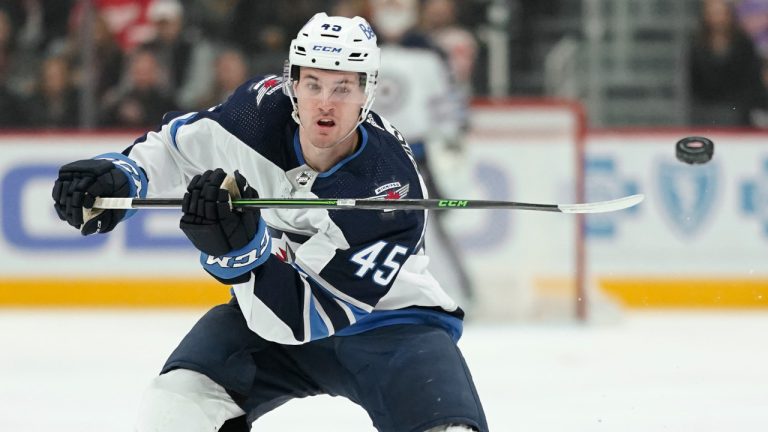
383	272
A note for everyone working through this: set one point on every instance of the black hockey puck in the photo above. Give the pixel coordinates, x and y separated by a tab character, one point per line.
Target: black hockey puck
694	150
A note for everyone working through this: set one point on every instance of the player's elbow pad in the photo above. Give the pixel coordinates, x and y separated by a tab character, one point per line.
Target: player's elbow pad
234	266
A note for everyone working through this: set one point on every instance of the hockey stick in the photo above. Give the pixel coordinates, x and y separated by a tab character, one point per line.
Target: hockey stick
370	204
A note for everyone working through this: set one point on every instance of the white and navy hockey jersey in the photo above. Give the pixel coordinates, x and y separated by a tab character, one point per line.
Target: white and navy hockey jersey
330	272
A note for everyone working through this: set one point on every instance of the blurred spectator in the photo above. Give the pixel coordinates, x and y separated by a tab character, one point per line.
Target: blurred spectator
416	93
54	104
6	38
10	103
55	22
186	58
418	102
126	19
271	56
230	71
19	63
395	22
257	22
753	15
439	21
107	60
725	70
350	8
145	98
212	18
38	21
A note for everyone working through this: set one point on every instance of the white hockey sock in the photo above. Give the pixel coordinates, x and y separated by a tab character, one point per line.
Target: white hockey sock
451	428
185	401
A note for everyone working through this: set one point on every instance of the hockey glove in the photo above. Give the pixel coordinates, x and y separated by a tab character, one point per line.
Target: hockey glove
209	220
77	187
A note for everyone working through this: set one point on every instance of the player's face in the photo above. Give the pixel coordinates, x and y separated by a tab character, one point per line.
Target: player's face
329	104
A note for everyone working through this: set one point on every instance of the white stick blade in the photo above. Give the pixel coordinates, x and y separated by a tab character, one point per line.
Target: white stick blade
603	206
113	203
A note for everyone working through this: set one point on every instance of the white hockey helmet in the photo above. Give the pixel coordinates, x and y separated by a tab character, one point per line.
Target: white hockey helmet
335	43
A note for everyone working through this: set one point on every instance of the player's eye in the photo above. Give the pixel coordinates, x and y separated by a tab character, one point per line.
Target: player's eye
342	91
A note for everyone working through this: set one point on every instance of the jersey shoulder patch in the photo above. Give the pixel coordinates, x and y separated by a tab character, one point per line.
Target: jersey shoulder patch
259	114
266	86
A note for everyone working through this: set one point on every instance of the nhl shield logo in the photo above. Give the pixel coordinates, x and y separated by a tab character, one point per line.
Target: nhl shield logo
303	178
687	194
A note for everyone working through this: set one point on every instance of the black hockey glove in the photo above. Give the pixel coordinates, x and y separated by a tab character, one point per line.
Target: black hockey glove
209	220
77	187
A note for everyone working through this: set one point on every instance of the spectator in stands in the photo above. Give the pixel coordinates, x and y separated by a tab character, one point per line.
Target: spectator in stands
230	71
185	57
211	18
271	54
725	70
145	99
438	19
350	8
127	20
20	62
6	41
108	58
10	102
38	21
260	29
753	15
54	104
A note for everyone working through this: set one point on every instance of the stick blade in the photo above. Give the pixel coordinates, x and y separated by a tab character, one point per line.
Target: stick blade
603	206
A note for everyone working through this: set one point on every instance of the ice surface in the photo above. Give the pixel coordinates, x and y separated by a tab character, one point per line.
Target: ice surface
85	370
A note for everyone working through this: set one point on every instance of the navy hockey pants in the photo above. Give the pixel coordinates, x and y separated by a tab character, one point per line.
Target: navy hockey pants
409	378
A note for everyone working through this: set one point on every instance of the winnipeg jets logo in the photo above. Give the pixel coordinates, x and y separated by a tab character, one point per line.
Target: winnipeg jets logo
284	253
391	191
266	87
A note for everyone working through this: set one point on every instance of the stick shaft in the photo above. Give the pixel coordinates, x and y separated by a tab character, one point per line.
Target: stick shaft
365	204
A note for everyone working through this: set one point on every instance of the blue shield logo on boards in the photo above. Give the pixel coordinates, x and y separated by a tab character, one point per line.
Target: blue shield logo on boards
687	194
605	182
496	225
754	197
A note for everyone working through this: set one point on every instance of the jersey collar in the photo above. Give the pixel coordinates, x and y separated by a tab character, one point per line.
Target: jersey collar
333	169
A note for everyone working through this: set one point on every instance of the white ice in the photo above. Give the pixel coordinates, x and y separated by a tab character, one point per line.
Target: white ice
85	370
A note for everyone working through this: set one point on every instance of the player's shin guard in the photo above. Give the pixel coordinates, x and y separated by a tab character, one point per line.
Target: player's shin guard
185	401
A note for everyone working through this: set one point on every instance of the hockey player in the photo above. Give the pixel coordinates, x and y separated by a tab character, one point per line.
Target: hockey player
324	302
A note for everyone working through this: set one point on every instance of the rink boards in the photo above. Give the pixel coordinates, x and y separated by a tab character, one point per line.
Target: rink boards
700	239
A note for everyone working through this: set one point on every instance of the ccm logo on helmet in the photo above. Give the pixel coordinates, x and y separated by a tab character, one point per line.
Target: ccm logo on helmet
326	49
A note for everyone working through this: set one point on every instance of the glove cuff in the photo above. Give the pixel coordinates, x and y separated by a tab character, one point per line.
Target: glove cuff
240	261
137	179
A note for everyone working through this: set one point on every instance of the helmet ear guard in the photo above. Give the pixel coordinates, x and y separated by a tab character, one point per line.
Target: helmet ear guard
334	43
